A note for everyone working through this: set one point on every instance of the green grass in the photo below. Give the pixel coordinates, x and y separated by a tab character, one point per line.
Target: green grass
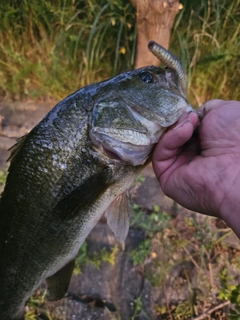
52	48
207	38
96	259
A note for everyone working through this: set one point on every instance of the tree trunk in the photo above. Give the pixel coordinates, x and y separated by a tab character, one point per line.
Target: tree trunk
155	20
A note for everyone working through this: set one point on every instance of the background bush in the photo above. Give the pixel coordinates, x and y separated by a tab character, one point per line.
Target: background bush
52	48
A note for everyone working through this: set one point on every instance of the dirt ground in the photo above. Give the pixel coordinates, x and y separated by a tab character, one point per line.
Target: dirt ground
122	290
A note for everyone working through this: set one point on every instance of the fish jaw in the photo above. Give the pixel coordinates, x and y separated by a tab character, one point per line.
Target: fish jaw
133	146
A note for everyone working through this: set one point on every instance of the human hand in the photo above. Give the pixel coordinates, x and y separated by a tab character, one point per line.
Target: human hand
202	173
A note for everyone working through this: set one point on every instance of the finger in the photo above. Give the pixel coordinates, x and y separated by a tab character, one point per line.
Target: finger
167	169
175	138
167	150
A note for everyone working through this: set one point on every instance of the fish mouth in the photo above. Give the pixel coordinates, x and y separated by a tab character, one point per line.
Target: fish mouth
124	142
126	145
111	154
126	152
132	147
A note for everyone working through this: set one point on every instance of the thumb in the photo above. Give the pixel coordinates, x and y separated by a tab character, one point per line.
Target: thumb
168	148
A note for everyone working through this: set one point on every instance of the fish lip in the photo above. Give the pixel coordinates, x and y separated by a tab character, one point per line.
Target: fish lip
132	146
122	152
113	155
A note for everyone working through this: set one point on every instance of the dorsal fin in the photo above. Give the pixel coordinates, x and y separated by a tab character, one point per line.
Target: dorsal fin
16	147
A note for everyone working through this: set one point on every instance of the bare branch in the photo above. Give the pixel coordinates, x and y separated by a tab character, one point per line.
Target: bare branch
208	313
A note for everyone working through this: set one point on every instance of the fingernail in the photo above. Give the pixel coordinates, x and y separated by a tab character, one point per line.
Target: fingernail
181	124
200	115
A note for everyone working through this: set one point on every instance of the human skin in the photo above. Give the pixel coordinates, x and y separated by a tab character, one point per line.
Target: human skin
198	164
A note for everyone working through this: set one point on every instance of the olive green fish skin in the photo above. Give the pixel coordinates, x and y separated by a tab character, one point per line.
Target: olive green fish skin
41	229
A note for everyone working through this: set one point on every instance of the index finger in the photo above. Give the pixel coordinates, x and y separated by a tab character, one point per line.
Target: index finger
175	138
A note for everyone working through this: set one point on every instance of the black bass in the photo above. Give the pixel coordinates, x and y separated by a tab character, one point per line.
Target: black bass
75	165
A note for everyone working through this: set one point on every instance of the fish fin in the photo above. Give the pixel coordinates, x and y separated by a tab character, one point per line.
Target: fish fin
118	216
85	195
58	283
16	147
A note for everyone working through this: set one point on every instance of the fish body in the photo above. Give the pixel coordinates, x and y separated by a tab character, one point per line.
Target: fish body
76	164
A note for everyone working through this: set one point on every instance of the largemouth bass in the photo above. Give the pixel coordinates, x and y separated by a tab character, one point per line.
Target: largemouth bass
75	165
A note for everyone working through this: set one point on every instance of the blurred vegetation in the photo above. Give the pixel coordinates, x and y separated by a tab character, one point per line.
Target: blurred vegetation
3	176
96	259
52	48
55	47
207	38
208	266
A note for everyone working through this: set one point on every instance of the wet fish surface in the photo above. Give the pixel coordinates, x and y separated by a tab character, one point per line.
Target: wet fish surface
75	165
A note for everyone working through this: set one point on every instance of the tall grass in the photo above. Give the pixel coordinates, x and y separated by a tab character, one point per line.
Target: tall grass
53	47
207	38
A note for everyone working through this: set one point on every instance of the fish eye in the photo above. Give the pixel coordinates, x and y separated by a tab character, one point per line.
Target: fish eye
146	77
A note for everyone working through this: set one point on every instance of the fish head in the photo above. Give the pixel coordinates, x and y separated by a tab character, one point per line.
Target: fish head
136	109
